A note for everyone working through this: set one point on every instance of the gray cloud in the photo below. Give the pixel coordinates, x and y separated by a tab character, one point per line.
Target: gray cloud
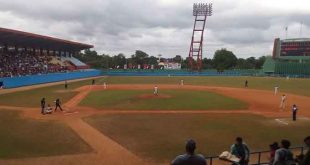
248	28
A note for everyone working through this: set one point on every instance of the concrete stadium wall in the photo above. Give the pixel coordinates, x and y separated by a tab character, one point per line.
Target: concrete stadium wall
13	82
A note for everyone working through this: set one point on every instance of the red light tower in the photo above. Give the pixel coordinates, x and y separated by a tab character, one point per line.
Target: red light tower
200	12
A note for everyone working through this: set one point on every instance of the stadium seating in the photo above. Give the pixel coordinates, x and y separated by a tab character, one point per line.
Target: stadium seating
74	62
14	64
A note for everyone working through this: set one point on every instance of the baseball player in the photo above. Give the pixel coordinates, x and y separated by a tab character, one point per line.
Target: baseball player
246	83
57	105
276	88
104	85
155	90
283	102
182	82
42	105
66	84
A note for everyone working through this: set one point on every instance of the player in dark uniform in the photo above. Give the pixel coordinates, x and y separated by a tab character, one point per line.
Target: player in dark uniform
42	105
294	112
57	105
246	83
93	82
66	84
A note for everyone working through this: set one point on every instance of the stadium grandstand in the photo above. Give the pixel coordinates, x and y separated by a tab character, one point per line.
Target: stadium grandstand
27	54
290	57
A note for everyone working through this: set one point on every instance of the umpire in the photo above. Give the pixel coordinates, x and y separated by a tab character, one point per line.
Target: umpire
294	112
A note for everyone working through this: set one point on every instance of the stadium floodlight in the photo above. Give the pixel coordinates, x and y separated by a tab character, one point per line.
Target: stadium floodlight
202	9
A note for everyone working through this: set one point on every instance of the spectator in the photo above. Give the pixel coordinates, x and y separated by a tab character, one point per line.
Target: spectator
190	158
241	150
273	147
283	155
305	159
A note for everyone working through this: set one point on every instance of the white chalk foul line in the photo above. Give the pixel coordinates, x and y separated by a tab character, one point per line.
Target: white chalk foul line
70	113
280	121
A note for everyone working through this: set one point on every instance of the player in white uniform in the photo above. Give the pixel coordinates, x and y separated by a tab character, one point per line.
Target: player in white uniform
283	102
155	90
182	82
276	88
104	85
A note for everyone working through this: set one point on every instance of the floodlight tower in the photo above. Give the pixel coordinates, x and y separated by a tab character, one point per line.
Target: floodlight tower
200	12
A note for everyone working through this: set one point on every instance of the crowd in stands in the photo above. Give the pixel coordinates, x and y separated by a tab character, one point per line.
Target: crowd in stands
24	63
239	154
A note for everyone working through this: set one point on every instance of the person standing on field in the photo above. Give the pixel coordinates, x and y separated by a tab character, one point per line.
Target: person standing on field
182	82
294	112
246	83
155	90
283	102
42	105
104	85
276	89
57	105
66	84
93	82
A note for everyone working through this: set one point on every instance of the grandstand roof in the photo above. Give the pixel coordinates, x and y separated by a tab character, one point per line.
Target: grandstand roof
25	39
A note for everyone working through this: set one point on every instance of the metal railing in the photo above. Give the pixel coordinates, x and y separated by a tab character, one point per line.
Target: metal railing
258	155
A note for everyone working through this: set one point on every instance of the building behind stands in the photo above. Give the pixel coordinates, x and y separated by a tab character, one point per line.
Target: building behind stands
290	57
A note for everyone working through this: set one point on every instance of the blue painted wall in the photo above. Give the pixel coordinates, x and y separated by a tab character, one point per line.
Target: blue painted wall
47	78
179	73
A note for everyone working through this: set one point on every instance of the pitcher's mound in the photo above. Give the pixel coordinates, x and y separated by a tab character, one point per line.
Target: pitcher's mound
152	96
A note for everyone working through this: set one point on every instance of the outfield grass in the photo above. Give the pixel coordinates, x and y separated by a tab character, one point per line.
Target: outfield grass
31	98
295	86
161	137
177	100
20	138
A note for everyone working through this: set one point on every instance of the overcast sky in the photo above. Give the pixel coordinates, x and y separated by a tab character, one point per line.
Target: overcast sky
247	27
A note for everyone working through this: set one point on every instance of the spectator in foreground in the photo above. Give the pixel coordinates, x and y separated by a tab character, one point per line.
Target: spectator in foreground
190	158
283	155
273	147
241	150
305	159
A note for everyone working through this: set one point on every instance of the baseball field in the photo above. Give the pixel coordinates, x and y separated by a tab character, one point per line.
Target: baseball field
125	123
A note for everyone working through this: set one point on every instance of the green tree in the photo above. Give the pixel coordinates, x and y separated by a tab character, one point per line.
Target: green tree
224	59
207	63
139	57
260	62
177	59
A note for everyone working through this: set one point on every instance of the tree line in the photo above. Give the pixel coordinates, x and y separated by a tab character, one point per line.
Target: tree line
223	59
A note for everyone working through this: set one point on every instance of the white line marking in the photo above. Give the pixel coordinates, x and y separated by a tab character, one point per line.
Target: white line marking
280	121
70	113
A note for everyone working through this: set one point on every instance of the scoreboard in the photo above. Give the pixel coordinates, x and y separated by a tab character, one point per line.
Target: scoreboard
295	48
